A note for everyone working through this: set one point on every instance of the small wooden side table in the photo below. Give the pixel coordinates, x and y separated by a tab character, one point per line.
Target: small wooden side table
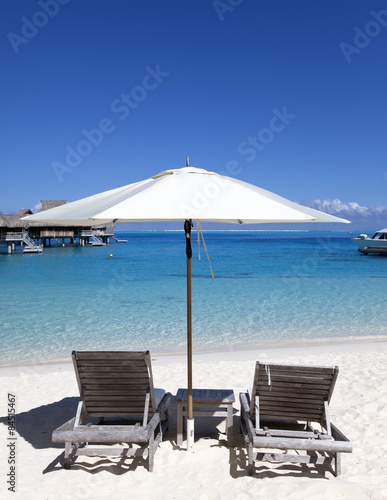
206	403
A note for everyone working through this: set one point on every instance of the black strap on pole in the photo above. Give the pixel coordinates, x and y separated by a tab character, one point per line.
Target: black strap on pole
187	228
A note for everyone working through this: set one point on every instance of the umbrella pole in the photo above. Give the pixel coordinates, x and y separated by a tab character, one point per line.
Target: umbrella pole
190	421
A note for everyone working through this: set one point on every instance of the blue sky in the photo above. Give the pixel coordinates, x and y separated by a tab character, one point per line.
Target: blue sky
99	94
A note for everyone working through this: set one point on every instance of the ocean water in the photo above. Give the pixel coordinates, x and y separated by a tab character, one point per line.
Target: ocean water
269	287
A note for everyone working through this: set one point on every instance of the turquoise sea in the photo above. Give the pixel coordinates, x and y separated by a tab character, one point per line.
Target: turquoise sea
269	287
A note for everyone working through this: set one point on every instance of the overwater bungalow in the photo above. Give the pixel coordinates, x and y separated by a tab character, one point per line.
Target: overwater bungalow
32	236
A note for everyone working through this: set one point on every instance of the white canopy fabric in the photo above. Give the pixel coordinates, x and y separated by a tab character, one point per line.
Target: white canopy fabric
177	195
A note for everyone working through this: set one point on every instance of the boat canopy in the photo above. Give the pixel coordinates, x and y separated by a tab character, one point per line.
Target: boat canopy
380	235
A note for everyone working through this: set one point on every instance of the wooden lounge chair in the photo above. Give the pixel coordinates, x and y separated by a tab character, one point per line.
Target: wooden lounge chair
118	404
284	402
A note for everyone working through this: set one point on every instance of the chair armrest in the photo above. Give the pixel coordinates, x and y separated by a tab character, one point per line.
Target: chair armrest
339	436
57	433
162	408
245	414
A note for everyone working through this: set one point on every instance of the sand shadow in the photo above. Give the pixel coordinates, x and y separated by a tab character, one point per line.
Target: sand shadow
239	468
238	462
113	465
205	429
36	425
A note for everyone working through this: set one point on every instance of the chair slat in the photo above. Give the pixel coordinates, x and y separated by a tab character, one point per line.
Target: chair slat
286	391
110	381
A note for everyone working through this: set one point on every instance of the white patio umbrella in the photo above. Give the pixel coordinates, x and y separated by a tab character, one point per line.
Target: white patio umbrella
187	194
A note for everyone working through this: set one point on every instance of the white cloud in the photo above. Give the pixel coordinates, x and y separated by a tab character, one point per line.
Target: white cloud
351	210
36	207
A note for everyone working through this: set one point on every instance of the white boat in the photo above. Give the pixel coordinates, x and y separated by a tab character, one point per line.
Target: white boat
376	244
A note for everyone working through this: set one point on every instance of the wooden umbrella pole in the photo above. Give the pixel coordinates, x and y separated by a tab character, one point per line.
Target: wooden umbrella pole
189	339
190	422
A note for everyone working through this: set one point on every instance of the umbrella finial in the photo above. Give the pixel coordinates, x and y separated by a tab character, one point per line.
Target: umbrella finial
187	161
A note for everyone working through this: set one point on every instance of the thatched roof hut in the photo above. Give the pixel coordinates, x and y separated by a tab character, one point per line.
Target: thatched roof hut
3	221
47	204
13	220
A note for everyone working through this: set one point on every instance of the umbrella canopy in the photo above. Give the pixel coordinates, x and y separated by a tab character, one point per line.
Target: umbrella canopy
181	194
184	195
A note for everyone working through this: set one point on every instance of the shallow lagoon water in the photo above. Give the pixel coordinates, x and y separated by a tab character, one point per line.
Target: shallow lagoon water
269	287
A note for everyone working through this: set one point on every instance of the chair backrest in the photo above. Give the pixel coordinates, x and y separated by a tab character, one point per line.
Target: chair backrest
114	384
290	392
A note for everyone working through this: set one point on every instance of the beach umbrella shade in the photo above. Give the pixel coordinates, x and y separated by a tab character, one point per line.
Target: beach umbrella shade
184	195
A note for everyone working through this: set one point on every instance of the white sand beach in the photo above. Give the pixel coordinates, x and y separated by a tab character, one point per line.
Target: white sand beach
46	396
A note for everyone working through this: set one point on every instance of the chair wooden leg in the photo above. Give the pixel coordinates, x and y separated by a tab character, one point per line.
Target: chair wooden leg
337	464
151	454
229	425
250	455
67	455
